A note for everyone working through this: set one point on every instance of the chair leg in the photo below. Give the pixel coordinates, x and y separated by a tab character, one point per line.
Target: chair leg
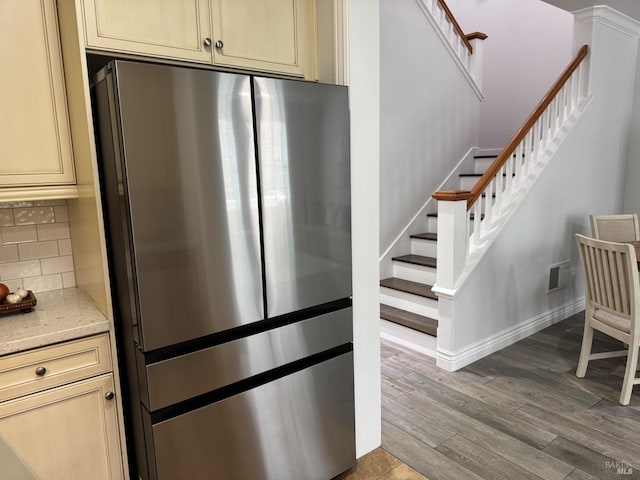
629	375
585	351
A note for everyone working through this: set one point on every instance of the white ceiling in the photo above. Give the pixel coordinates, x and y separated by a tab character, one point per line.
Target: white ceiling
628	7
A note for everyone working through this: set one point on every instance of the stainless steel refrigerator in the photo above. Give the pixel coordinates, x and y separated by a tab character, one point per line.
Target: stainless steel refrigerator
227	207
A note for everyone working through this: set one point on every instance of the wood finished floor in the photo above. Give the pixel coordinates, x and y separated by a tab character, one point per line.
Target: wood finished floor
520	413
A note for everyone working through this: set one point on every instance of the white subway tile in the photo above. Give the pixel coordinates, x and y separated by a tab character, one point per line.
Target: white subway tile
19	234
43	283
6	217
57	264
64	247
9	253
34	215
68	279
43	203
60	213
29	268
33	250
53	231
13	283
16	204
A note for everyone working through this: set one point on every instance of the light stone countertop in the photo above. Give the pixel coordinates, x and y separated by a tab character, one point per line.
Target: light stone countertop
60	315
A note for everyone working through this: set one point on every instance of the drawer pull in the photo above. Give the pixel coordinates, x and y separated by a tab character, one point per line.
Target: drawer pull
40	371
109	395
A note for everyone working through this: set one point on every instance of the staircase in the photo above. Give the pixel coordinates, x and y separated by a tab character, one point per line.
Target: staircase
406	298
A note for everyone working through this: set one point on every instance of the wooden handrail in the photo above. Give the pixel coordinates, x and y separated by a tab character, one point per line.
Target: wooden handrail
510	148
476	35
455	24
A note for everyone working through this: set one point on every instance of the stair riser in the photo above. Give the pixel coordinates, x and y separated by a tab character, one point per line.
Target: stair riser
482	164
432	225
418	341
426	248
411	303
415	273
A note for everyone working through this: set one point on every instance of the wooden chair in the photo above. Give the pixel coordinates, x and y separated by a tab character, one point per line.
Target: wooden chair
612	304
615	228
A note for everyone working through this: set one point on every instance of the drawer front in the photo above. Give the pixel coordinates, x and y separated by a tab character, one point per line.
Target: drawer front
300	426
47	367
205	370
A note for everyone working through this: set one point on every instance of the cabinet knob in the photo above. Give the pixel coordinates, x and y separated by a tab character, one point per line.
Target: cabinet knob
40	371
207	42
109	395
219	44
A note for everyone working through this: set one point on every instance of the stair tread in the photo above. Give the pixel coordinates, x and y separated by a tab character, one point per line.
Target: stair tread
417	260
471	215
480	174
408	286
485	156
409	319
425	236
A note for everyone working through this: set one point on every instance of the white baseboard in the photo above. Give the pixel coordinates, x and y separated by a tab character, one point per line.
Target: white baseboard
409	338
453	361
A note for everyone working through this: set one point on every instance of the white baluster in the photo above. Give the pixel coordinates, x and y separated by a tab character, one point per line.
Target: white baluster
570	94
497	186
488	204
517	162
547	128
508	179
526	159
477	213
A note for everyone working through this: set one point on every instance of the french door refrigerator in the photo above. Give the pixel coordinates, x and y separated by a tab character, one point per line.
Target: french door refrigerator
227	207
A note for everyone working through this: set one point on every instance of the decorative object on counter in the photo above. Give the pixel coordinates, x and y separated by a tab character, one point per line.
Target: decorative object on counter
4	291
19	301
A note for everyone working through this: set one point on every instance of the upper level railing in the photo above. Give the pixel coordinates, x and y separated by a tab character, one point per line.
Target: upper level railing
450	28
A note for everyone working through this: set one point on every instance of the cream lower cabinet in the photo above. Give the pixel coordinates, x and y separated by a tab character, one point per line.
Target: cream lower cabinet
34	124
66	432
264	35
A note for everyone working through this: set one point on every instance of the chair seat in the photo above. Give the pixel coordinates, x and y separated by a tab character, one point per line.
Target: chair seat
613	320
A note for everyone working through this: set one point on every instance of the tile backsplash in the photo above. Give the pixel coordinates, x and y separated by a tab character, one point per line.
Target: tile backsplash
35	245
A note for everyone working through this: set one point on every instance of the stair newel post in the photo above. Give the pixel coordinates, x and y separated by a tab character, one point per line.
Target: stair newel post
476	59
452	243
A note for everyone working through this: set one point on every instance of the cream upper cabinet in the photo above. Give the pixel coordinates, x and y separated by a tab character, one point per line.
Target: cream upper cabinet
176	29
261	35
34	124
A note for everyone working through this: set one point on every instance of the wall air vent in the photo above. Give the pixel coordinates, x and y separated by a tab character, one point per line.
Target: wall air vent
559	276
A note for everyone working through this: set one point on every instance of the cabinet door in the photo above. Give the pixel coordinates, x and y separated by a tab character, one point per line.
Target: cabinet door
169	29
260	34
66	433
34	124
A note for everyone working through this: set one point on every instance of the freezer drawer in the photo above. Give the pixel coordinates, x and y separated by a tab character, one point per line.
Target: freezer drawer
178	379
300	426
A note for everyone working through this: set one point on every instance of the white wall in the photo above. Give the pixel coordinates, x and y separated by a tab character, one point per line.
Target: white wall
363	80
529	45
429	114
508	287
631	202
